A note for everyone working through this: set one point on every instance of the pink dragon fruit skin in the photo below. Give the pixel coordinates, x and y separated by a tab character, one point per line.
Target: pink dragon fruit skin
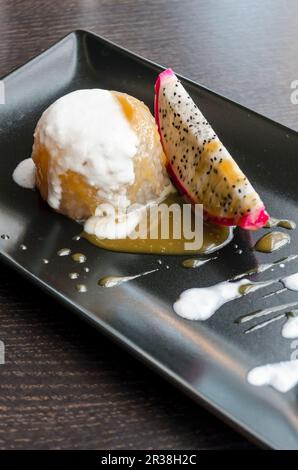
199	165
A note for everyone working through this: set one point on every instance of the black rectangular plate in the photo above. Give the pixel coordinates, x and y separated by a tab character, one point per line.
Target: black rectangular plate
208	360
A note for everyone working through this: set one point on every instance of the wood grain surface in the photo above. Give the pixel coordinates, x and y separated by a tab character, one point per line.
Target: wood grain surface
64	386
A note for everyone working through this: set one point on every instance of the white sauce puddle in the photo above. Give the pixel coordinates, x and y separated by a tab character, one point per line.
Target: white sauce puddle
24	174
282	375
108	227
201	303
290	328
291	282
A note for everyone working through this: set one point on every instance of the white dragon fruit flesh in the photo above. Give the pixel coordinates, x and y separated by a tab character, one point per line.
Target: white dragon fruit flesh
199	164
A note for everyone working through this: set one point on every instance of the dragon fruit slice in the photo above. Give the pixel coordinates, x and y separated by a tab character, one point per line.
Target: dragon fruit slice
198	163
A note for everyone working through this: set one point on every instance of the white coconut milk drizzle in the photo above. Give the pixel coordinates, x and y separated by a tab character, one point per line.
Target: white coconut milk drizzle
291	282
266	311
24	174
276	292
265	267
112	281
201	303
282	376
290	328
264	323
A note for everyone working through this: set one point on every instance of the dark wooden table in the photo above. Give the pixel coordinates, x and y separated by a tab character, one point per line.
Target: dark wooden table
64	385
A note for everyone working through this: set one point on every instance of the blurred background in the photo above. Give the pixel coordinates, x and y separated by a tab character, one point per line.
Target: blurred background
244	49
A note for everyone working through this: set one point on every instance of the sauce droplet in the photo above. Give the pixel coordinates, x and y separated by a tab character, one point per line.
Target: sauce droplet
195	262
73	275
79	257
81	287
86	269
4	236
23	247
45	261
76	238
245	289
272	241
284	223
112	281
64	252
